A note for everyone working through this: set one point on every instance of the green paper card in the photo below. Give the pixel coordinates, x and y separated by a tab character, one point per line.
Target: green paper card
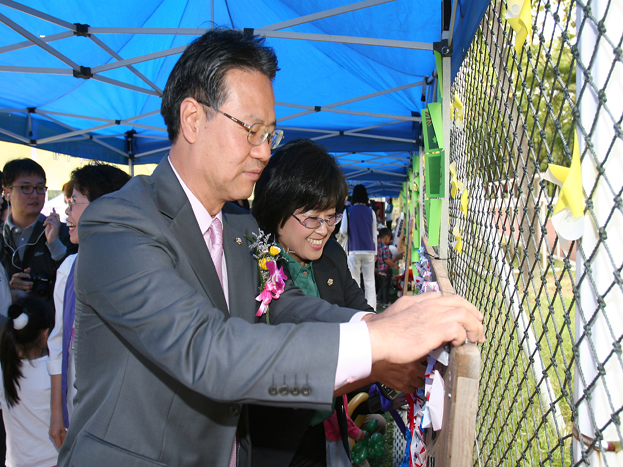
439	64
434	110
415	254
434	170
433	220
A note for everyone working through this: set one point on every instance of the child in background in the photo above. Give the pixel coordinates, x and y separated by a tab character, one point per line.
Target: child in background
384	265
25	392
336	453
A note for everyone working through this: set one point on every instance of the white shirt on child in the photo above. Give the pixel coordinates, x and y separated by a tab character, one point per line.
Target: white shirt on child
27	423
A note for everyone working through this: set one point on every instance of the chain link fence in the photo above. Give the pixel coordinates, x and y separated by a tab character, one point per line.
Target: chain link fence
551	391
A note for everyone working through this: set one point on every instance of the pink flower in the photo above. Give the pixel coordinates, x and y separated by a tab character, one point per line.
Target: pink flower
274	287
265	297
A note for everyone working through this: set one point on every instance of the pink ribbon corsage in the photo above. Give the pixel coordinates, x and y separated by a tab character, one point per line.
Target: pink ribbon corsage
273	279
273	288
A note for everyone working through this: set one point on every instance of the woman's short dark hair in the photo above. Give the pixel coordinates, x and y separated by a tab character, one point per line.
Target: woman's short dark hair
360	195
200	71
98	179
300	175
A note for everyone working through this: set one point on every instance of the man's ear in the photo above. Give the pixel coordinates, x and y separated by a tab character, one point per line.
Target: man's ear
189	119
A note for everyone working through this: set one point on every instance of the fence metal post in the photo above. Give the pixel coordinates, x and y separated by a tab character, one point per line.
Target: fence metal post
599	321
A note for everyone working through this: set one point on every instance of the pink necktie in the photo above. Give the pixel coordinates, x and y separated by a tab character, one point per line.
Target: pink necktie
216	236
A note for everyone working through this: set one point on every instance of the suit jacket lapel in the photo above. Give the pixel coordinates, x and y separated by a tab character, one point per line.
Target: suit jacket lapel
241	267
327	281
173	203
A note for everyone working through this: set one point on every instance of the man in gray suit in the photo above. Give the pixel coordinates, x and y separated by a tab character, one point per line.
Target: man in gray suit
168	348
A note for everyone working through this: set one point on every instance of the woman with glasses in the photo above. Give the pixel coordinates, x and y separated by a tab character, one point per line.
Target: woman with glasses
299	199
89	183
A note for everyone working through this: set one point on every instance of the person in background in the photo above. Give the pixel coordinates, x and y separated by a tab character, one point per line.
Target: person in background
389	213
337	455
33	246
88	184
4	207
25	389
68	190
384	265
5	290
302	224
360	226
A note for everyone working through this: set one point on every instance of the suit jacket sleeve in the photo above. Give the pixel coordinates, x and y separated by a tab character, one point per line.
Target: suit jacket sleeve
135	276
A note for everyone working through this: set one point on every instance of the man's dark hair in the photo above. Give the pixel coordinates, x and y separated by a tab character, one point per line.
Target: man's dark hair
200	71
98	179
360	195
385	232
300	175
18	168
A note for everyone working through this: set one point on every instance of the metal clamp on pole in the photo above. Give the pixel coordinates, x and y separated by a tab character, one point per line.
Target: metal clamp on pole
443	48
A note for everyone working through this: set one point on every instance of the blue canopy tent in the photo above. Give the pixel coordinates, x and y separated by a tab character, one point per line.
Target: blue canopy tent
85	78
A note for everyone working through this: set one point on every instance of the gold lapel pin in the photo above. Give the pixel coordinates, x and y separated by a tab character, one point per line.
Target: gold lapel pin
330	282
238	241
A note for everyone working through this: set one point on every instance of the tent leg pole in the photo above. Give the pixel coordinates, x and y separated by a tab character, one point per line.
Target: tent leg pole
447	124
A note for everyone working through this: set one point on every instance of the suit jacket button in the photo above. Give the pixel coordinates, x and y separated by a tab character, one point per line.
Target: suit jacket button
306	391
284	390
234	410
295	390
273	391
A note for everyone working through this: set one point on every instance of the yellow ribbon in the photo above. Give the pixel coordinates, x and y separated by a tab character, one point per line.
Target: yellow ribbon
456	185
570	181
457	112
458	246
519	16
464	202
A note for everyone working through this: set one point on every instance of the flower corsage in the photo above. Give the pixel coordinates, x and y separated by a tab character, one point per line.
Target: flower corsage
266	254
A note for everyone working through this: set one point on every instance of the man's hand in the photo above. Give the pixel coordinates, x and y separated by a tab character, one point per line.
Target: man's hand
413	326
20	281
52	225
406	377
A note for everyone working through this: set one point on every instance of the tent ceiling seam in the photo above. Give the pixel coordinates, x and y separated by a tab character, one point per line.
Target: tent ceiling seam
38	14
31	37
27	44
73	133
324	14
118	57
302	36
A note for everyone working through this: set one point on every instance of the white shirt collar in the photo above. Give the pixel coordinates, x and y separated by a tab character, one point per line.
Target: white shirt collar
204	219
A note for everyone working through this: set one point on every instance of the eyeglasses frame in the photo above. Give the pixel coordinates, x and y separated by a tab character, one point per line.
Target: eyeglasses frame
32	187
71	204
337	216
248	127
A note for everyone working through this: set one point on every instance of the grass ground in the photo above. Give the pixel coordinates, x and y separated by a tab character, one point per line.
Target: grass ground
513	426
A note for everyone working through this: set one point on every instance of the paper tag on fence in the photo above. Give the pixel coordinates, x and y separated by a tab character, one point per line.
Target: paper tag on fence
441	355
436	401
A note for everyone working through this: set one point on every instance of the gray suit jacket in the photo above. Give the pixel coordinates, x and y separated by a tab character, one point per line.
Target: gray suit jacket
163	369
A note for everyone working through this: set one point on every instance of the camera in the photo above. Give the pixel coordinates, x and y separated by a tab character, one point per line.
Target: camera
41	285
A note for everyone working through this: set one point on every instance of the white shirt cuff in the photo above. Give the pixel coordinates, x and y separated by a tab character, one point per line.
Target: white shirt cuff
354	361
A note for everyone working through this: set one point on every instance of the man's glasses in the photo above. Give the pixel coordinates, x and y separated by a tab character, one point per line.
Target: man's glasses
314	223
28	189
71	204
258	133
